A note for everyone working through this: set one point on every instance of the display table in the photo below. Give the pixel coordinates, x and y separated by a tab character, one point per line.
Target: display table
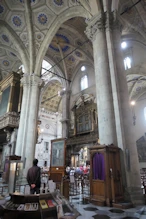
43	206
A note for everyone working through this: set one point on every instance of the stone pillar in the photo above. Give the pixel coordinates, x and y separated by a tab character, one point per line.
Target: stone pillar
124	127
65	112
106	119
29	150
23	115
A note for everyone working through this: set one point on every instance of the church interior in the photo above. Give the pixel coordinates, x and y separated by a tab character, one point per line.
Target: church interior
73	96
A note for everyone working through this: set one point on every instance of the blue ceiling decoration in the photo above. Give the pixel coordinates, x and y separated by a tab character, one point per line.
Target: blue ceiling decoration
1	9
16	21
58	2
42	18
61	40
6	63
78	54
5	38
71	59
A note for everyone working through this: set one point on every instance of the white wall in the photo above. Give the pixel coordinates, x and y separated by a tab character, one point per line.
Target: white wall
140	126
50	128
76	88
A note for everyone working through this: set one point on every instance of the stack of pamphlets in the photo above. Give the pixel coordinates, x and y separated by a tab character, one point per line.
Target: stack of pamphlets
31	207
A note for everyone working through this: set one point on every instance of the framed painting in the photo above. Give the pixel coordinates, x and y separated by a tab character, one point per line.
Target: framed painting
58	152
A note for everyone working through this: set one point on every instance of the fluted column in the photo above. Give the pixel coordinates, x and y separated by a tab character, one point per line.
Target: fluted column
124	127
23	115
65	112
28	152
106	119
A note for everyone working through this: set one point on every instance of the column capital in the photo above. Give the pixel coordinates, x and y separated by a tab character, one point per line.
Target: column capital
36	81
104	21
95	25
32	80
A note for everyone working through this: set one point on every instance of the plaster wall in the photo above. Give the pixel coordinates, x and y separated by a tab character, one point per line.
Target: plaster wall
140	126
76	85
50	128
136	51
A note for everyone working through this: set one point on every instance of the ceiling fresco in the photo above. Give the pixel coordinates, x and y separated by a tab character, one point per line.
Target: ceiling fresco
50	99
69	47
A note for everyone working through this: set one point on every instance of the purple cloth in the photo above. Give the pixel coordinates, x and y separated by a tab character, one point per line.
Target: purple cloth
98	166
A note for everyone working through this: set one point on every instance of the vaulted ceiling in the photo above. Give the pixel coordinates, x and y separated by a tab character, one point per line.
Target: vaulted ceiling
69	47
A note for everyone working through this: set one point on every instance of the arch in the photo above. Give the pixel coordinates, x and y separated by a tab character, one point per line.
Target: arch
77	11
54	96
9	49
58	70
17	42
46	87
139	95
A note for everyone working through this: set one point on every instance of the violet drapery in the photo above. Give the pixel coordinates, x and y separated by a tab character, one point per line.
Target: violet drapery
98	166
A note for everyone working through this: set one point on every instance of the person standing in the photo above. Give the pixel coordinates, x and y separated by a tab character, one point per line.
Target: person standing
34	178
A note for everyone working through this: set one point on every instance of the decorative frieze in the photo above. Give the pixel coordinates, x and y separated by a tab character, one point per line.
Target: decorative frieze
10	119
91	138
95	25
106	21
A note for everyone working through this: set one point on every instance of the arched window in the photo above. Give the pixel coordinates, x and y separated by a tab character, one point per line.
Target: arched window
145	113
84	82
127	63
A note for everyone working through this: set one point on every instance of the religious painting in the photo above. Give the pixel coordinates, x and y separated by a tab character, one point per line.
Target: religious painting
57	152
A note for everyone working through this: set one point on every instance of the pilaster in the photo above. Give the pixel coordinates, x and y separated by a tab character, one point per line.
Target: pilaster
124	128
26	139
25	81
29	149
65	112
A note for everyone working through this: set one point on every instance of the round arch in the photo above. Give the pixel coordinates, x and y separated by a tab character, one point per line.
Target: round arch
18	43
53	96
57	70
77	11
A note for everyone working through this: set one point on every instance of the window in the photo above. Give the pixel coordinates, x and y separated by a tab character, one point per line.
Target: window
83	68
45	65
123	45
145	113
127	63
84	82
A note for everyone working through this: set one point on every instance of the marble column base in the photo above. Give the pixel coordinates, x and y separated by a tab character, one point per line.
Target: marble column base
135	195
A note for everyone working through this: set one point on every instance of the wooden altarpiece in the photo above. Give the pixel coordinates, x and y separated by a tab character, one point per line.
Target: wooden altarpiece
105	175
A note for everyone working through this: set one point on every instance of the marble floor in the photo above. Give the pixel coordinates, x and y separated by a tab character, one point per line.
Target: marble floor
89	211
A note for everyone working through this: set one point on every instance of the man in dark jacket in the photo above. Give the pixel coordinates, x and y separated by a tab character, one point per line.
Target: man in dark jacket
33	178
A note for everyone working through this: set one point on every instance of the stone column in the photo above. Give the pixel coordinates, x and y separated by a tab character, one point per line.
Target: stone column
106	119
65	112
29	150
23	115
124	127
